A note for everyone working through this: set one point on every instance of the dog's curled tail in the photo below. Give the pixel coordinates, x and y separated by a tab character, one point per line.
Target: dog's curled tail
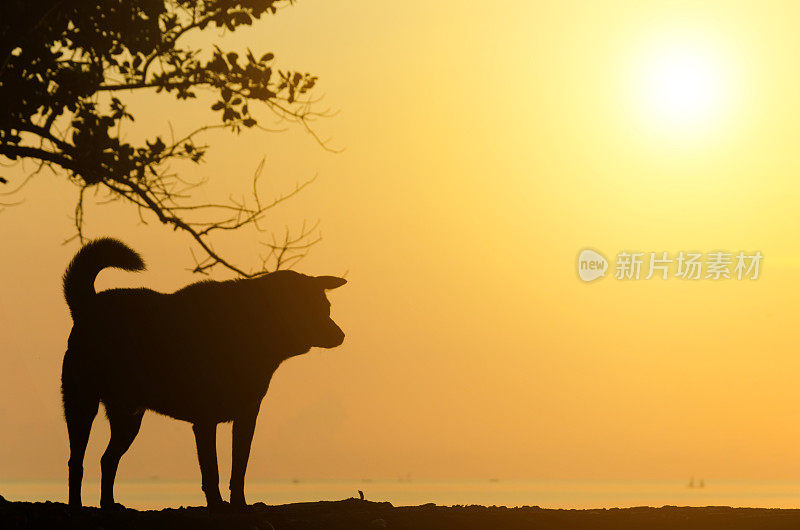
88	262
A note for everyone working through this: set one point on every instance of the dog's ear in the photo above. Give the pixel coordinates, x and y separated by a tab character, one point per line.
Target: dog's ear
329	282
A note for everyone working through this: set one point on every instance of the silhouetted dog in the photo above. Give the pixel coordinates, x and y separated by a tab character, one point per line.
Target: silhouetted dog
204	354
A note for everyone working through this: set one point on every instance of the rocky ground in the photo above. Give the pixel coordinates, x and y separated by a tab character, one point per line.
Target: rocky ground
354	514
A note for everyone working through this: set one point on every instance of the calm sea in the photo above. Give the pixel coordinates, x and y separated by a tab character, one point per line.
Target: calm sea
547	494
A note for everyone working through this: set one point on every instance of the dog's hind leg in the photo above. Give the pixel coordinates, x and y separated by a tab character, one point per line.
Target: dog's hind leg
80	408
125	425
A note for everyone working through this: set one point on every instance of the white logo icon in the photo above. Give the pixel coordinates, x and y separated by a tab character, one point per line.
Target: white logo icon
591	265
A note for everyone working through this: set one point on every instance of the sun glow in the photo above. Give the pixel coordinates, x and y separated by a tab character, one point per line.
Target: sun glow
682	87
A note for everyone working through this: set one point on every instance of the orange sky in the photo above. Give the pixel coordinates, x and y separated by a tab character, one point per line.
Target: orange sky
485	146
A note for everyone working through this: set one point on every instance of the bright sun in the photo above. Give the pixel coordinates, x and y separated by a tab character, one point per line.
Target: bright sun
682	86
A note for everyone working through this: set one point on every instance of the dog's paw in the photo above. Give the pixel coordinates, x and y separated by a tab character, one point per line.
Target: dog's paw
238	504
220	507
112	507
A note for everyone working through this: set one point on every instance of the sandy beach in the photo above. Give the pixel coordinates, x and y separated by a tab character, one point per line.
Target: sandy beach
357	514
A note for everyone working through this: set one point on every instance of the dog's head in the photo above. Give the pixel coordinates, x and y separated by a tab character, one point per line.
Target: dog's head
302	309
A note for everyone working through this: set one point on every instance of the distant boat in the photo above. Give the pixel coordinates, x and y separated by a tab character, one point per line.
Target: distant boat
700	484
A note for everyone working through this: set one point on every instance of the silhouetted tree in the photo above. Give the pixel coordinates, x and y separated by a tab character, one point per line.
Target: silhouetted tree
66	67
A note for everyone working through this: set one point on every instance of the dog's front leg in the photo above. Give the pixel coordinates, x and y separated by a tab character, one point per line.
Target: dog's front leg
243	427
205	434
